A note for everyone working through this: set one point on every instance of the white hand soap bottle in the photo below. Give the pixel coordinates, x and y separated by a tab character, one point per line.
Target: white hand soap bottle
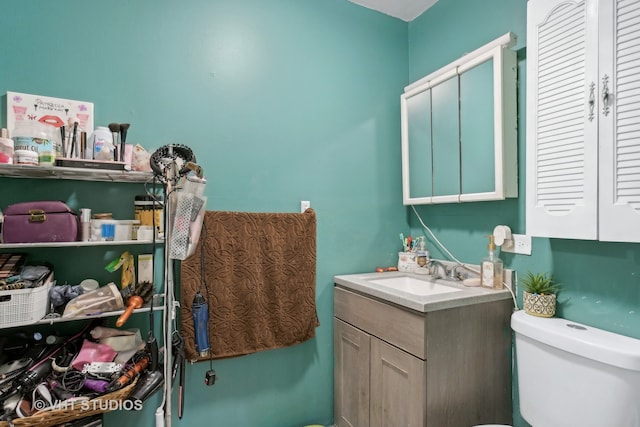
491	268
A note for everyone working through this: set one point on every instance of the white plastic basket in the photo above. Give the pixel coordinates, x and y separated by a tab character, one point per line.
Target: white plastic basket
25	306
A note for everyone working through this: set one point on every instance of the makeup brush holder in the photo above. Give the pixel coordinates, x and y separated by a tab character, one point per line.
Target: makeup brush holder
407	261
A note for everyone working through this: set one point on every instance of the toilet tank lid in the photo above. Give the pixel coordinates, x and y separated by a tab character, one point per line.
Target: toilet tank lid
586	341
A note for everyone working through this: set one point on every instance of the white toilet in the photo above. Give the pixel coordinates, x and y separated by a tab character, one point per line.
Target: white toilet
575	375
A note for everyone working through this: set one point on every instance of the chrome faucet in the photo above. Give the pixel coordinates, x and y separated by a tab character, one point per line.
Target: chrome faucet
453	273
434	265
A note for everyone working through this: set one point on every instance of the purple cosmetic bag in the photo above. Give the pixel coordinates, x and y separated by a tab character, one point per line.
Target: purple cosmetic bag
36	222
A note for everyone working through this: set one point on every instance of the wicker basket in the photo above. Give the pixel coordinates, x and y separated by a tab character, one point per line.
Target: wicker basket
60	416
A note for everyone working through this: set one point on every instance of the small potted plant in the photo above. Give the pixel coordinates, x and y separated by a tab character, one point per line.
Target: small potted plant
539	294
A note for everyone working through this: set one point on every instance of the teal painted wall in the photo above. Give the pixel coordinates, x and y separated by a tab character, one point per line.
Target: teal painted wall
601	280
281	101
294	100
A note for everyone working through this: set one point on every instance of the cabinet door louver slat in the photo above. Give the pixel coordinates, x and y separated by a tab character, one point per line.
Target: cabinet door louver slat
627	95
568	119
561	146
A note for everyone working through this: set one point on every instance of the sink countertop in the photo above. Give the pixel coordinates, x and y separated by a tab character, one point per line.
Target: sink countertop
468	295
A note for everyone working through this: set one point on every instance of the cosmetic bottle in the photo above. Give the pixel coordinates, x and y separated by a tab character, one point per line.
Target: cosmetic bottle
422	256
491	268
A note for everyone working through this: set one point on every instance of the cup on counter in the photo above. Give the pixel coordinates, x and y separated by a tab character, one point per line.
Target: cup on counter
407	261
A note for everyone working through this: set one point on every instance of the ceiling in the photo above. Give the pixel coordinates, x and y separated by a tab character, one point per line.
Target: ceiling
407	10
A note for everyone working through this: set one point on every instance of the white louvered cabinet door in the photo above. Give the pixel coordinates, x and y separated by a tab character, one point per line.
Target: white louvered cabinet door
619	115
562	119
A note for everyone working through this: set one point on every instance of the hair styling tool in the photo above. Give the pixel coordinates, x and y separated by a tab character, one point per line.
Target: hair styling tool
128	376
134	302
200	310
149	383
99	386
178	363
38	371
210	376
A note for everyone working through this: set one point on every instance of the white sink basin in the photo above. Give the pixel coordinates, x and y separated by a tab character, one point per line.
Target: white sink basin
414	286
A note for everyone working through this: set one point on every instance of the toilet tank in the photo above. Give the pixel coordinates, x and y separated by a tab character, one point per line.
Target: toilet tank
570	374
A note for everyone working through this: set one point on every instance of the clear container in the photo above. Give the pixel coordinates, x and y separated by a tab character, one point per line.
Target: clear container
6	151
41	138
101	144
149	211
101	300
25	157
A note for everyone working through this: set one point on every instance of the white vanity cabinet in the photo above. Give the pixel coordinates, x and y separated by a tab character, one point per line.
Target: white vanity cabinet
459	129
583	119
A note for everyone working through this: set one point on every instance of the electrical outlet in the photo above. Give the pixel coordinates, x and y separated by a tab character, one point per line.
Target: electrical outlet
304	205
521	244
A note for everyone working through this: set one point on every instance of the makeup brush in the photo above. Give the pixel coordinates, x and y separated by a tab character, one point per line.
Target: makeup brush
63	133
83	145
115	130
74	149
67	140
123	138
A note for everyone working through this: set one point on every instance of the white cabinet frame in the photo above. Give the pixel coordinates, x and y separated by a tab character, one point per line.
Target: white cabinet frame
505	128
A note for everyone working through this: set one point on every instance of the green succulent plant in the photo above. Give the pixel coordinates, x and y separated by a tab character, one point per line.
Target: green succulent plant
540	283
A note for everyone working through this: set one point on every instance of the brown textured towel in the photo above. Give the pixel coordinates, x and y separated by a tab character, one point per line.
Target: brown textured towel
260	269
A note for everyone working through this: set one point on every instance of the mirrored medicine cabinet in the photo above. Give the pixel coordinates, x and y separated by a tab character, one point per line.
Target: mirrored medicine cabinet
459	136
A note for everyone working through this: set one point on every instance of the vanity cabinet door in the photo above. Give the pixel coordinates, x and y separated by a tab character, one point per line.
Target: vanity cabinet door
398	387
351	375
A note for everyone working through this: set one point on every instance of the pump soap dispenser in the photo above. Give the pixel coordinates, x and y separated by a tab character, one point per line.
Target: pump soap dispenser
422	256
491	268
